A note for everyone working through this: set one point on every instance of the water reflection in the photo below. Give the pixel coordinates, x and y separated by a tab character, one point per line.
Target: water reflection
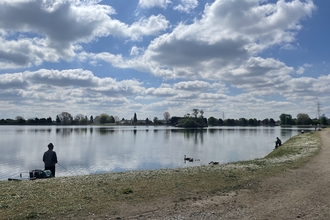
286	131
97	149
105	131
64	131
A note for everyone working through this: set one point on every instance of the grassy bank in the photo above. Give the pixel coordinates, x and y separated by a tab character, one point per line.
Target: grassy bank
109	194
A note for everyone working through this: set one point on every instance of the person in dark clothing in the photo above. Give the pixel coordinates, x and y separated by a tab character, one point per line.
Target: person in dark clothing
278	142
50	159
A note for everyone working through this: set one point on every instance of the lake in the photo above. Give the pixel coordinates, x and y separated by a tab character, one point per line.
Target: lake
100	149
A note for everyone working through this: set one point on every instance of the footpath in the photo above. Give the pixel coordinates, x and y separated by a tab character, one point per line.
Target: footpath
301	193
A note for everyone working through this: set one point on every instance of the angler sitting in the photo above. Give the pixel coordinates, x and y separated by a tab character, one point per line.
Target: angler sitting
278	142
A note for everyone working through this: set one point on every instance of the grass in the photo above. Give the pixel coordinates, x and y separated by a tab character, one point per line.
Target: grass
83	196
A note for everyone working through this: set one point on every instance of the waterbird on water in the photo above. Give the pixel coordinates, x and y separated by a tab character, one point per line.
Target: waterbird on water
186	158
213	163
190	159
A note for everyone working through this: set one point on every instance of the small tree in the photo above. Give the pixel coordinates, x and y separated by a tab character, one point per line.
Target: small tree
84	121
213	121
166	116
134	119
49	120
265	121
195	112
79	118
20	120
243	122
272	122
65	118
202	113
58	120
286	119
117	119
303	119
103	119
111	119
323	120
17	118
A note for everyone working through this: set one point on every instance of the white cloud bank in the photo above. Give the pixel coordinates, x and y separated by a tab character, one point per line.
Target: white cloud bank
81	92
32	32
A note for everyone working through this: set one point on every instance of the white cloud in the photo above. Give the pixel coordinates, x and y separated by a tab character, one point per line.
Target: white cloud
154	3
301	70
186	5
192	85
259	74
25	52
306	65
63	88
306	88
229	33
146	26
53	30
160	92
80	91
135	51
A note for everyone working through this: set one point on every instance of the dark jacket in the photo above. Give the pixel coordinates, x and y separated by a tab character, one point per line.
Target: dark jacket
50	158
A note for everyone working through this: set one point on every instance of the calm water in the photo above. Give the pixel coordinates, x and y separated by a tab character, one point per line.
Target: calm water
87	149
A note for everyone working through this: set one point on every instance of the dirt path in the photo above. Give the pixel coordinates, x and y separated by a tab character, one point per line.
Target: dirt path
302	193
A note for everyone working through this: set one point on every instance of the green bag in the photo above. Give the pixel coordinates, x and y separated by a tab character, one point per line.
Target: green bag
40	174
46	174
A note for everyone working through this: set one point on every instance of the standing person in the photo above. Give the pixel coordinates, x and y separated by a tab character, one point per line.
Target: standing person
50	159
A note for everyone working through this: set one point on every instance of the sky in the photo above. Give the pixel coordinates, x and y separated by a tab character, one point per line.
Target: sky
230	58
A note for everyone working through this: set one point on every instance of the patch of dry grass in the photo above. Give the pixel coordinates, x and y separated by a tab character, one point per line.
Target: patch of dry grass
83	196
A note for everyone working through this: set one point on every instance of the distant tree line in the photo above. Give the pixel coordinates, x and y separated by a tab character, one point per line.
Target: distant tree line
21	121
285	119
303	119
196	119
242	122
64	118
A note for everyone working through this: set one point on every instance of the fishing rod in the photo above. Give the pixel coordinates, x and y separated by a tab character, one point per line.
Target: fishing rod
65	168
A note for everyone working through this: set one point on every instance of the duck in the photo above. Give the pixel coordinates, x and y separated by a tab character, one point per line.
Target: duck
213	163
187	158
